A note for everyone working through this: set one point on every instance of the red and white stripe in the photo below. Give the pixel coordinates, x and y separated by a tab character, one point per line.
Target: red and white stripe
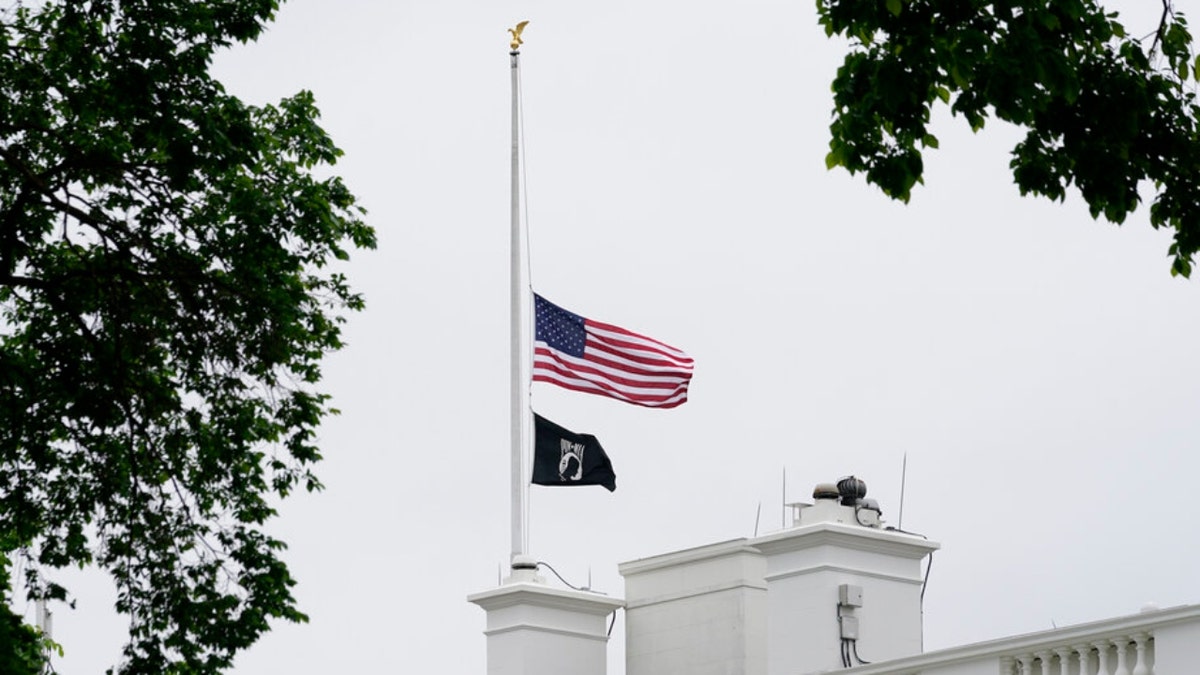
620	364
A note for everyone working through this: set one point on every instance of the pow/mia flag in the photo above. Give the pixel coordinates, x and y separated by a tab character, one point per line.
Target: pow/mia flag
562	457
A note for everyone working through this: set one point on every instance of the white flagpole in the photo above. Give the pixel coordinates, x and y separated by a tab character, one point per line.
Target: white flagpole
519	393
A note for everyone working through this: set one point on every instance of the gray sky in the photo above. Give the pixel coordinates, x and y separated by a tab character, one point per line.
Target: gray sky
1039	368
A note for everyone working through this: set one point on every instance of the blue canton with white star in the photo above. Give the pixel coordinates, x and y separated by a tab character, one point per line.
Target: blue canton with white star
558	328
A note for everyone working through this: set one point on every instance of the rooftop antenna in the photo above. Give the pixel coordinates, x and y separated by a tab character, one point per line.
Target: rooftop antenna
783	508
757	514
903	474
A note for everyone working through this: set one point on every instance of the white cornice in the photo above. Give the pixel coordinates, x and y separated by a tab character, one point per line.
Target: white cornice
848	571
690	555
539	595
891	542
553	630
694	592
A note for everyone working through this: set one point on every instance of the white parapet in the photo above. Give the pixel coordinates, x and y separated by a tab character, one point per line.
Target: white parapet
533	629
836	588
1159	642
699	611
805	568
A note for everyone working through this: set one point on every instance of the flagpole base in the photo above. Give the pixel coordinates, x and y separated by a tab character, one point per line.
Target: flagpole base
524	571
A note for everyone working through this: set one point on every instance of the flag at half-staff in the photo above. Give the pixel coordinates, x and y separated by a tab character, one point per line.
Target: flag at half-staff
565	458
600	358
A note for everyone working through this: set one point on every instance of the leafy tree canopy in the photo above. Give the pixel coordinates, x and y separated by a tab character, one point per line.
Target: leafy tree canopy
1101	110
166	298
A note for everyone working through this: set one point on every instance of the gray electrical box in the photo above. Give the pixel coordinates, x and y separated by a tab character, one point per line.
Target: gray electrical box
849	626
849	595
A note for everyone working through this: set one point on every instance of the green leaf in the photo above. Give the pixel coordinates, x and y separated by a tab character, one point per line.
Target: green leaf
833	159
1181	267
957	77
893	6
930	141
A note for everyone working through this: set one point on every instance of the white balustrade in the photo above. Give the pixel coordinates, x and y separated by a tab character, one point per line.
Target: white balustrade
1044	657
1064	660
1136	650
1102	658
1122	645
1085	657
1143	666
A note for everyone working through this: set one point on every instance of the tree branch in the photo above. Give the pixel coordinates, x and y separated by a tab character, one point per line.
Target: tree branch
48	192
26	282
1162	27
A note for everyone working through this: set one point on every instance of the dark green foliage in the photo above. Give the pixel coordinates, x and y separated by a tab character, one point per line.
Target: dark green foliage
1101	110
20	644
20	652
165	301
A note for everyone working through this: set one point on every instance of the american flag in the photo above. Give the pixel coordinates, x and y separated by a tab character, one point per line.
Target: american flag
599	358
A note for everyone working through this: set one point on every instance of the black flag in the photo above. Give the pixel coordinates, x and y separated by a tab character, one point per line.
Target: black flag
562	457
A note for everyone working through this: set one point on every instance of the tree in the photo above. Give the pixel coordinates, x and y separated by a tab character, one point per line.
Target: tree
166	298
1101	110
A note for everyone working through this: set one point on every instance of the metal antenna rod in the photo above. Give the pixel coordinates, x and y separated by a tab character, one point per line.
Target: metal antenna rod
903	475
783	507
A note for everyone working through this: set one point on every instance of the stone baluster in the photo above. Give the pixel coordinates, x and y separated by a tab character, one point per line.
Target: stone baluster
1122	645
1064	660
1044	657
1085	658
1007	665
1026	664
1101	658
1143	663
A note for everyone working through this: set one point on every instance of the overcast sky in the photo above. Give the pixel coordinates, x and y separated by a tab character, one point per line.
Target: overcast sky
1039	368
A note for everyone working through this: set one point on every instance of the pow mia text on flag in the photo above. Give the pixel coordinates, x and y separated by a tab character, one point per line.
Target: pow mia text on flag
562	457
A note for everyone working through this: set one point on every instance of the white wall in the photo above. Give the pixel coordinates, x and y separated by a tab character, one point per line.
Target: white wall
805	567
696	612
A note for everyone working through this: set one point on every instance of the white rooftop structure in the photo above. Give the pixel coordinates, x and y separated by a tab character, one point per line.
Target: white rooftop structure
836	591
533	628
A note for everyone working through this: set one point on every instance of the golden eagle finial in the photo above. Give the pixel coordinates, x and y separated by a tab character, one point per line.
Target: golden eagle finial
516	35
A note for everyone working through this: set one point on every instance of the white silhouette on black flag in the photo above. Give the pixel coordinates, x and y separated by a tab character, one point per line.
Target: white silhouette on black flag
565	458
